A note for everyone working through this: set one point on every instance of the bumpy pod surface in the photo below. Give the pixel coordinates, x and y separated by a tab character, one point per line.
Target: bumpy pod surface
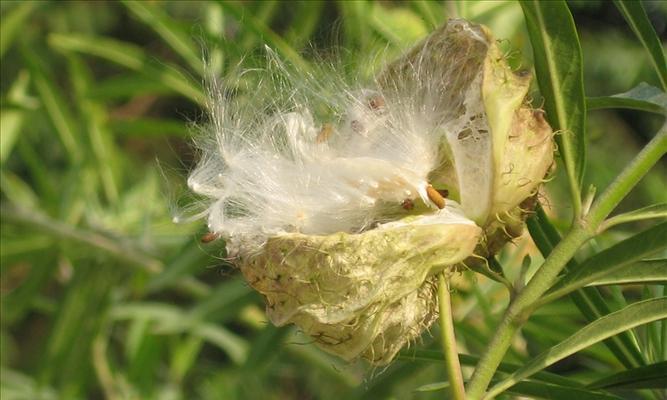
333	219
360	294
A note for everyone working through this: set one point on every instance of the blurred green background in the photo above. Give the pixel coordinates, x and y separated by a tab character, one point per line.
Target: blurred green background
103	296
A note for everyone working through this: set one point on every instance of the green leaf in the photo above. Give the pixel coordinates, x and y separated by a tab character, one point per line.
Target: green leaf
55	105
611	260
436	356
629	317
172	320
650	212
131	57
12	118
126	86
97	242
642	97
643	272
634	14
589	301
95	118
265	34
11	121
13	22
554	39
159	21
539	390
432	387
651	376
304	23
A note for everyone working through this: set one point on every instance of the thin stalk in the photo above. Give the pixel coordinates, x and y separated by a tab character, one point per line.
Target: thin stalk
451	355
585	228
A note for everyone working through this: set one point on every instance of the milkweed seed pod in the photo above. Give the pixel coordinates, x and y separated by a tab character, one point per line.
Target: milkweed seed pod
496	149
339	201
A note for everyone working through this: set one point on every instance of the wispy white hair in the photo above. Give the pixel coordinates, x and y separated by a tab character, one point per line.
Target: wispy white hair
314	152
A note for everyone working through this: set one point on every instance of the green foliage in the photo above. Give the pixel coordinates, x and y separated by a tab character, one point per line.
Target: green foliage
103	296
554	38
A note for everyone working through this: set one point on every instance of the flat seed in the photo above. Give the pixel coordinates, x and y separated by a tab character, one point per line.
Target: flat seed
435	197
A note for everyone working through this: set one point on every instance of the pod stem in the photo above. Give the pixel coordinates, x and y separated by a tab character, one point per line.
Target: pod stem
451	355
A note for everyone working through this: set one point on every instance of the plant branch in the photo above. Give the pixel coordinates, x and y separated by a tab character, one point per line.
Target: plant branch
585	228
449	350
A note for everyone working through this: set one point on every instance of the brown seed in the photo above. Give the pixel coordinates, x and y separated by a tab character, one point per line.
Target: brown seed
376	102
209	237
435	197
325	133
408	204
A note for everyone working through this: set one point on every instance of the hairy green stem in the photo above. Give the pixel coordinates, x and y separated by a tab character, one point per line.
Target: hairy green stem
451	355
584	229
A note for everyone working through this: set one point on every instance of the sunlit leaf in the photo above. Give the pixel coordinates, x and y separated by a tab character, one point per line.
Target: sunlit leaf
643	272
158	20
129	56
621	255
629	317
13	22
554	38
642	97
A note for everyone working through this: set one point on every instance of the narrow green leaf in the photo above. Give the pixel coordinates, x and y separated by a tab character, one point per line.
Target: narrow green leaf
634	14
55	105
262	13
611	260
400	27
539	390
432	12
432	387
129	56
629	317
126	86
12	118
159	21
172	320
435	356
356	22
11	121
305	21
651	376
643	272
13	22
121	251
95	117
642	97
17	191
554	38
588	300
265	34
650	212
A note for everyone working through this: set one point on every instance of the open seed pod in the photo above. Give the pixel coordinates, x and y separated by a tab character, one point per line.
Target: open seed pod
340	223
